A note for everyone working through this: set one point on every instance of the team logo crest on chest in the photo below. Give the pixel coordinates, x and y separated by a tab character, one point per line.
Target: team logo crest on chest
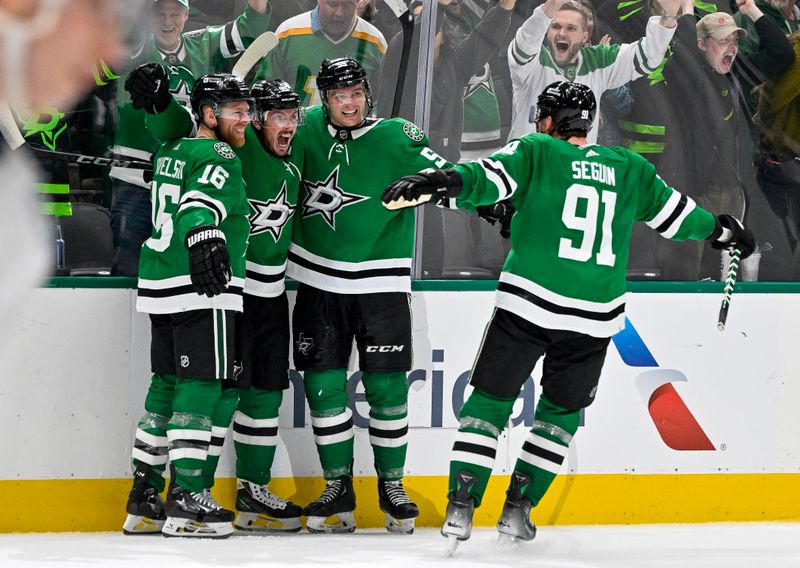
326	198
271	216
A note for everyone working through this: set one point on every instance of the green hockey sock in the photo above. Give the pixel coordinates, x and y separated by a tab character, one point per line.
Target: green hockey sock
387	394
483	418
331	420
189	430
546	446
255	434
220	422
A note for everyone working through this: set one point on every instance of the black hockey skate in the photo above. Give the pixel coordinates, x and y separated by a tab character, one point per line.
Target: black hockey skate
460	508
400	511
145	506
261	511
332	512
515	521
196	515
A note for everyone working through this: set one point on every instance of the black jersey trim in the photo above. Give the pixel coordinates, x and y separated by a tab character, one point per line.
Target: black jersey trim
557	309
542	453
265	278
227	37
501	174
208	204
347	274
180	291
682	203
474	449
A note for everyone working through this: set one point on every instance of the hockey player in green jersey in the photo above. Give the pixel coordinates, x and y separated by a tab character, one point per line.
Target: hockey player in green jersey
561	292
272	180
352	258
191	275
184	56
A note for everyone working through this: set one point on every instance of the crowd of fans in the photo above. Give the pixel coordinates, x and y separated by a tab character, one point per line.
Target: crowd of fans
707	91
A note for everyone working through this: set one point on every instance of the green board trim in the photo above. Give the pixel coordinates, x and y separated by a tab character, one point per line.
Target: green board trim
637	286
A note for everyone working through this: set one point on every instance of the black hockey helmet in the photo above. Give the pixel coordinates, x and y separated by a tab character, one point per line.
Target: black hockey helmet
274	94
216	89
571	105
339	73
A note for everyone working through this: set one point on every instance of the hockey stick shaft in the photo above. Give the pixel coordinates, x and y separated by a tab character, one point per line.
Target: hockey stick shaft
400	10
74	158
257	51
730	282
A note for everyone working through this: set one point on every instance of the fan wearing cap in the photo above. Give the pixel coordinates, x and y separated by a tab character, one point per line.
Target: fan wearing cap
718	39
184	57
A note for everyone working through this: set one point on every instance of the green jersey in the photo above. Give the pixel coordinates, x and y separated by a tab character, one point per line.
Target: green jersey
303	45
344	240
196	181
200	52
576	206
272	187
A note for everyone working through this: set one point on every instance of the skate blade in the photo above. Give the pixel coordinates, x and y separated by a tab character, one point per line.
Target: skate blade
136	524
452	545
507	542
186	528
255	522
399	526
339	523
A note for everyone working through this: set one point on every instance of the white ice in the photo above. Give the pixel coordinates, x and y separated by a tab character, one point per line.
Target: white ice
739	545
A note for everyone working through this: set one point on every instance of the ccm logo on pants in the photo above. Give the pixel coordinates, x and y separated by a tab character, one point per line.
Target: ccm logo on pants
384	348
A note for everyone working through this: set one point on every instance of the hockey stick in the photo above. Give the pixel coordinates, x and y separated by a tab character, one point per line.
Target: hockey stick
400	9
259	49
730	282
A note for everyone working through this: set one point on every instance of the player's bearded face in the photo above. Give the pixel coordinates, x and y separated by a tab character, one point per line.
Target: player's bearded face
169	18
279	129
233	119
348	106
566	35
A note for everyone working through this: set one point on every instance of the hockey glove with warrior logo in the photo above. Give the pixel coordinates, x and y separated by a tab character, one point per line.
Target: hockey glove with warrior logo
148	86
732	233
209	263
502	212
416	189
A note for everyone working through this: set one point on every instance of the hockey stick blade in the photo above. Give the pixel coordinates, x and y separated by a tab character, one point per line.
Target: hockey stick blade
260	47
730	282
9	128
403	203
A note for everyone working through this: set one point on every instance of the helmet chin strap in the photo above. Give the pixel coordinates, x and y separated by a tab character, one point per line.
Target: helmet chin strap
18	34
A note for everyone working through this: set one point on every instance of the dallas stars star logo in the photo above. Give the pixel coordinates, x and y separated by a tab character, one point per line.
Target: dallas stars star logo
271	216
481	81
327	198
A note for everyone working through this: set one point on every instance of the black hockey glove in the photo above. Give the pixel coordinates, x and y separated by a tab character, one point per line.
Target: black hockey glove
148	86
413	190
209	263
502	212
732	233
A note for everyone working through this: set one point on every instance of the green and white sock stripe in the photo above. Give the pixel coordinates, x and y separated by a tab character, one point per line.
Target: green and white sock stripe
255	431
475	449
336	426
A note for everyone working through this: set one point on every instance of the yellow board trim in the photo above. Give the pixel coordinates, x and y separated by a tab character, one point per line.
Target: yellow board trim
85	505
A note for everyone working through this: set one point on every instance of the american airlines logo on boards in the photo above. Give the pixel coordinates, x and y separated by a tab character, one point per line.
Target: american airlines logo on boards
675	423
